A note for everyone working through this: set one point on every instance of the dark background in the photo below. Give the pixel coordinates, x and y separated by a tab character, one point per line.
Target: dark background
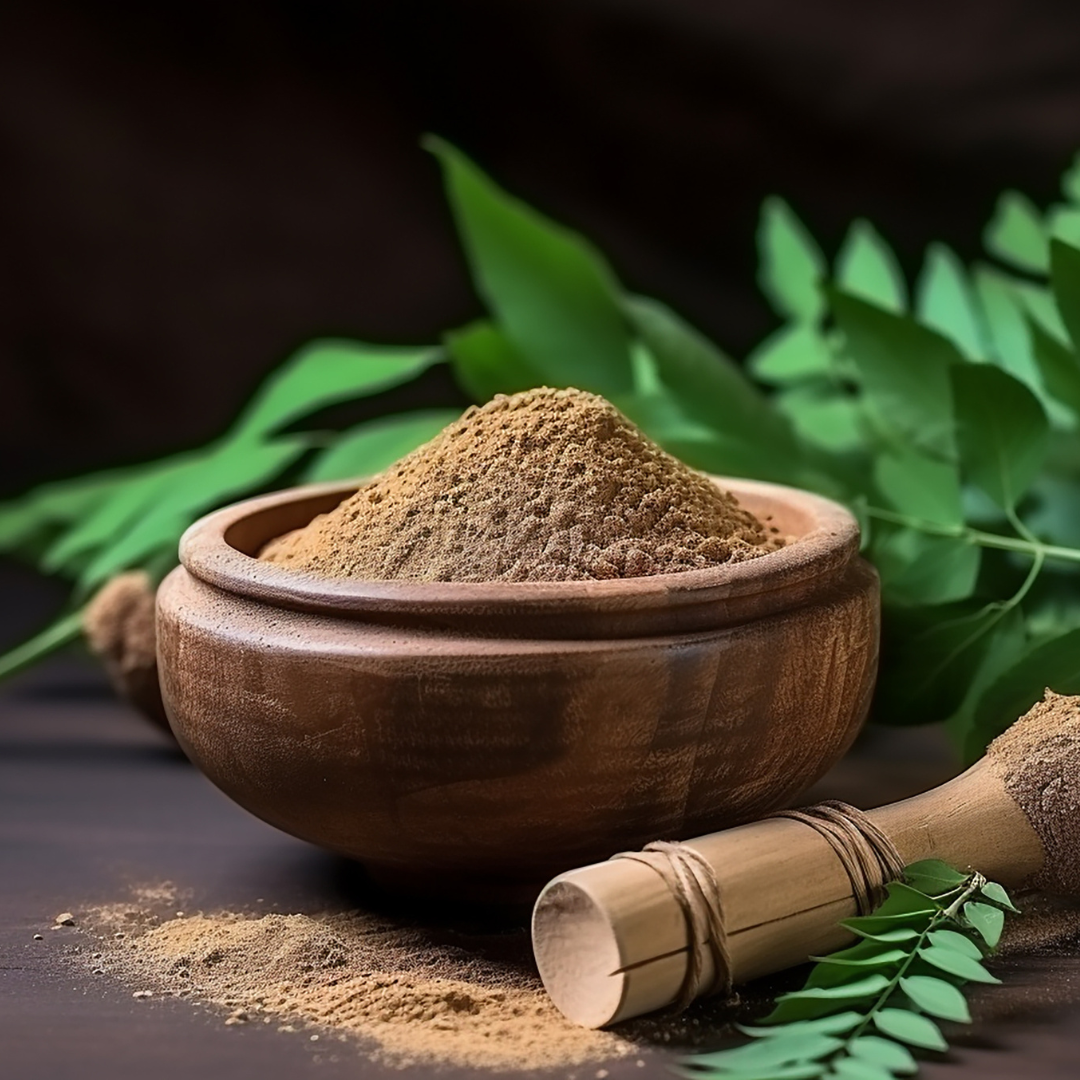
190	190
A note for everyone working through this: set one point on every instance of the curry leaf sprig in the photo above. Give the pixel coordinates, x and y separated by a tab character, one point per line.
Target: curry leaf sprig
944	411
863	1009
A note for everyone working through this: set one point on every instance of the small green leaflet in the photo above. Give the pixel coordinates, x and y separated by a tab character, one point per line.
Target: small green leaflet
860	1020
1016	234
987	920
792	266
904	368
945	302
933	877
1002	431
920	486
1065	278
867	268
793	354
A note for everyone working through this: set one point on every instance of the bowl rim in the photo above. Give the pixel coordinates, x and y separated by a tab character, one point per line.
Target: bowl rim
831	542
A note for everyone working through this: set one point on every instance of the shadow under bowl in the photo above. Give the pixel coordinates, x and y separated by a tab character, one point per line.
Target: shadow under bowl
477	738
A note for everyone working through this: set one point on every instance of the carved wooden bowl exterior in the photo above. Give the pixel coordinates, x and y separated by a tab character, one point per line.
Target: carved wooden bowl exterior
473	737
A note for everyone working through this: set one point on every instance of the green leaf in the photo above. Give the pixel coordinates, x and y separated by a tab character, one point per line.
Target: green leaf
1065	280
1058	365
1016	234
62	631
124	506
891	934
1070	182
783	1047
791	266
931	661
837	1024
904	369
485	362
1007	326
234	468
1063	223
920	569
835	970
945	302
53	505
902	899
995	893
911	1028
933	877
1055	662
552	294
867	268
794	353
325	372
856	1069
1004	641
1002	431
818	1001
780	1072
824	416
886	1053
936	997
920	487
956	963
709	388
987	920
950	939
1039	303
369	448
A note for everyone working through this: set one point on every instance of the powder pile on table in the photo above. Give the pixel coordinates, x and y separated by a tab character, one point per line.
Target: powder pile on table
412	998
545	485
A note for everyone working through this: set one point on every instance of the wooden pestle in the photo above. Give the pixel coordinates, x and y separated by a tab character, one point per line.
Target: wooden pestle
611	940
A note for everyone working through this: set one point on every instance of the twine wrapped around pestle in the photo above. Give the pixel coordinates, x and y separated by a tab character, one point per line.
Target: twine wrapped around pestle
868	856
693	883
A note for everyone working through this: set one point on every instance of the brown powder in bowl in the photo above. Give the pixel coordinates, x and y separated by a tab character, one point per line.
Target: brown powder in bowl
396	987
546	485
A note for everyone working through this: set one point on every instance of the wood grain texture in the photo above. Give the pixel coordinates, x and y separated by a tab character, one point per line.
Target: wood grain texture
483	737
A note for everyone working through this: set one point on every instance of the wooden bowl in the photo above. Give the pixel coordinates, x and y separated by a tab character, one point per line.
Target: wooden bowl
481	737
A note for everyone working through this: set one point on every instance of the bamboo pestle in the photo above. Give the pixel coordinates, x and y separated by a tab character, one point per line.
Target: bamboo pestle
611	940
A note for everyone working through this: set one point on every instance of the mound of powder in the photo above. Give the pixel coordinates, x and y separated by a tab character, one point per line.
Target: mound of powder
1040	759
546	485
409	996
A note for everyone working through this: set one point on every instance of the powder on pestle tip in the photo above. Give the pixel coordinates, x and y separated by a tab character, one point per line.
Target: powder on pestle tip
1040	759
546	485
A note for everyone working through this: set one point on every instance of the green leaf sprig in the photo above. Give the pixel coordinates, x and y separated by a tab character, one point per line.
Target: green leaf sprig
864	1009
945	412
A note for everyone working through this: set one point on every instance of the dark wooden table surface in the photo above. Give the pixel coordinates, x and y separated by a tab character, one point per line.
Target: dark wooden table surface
94	803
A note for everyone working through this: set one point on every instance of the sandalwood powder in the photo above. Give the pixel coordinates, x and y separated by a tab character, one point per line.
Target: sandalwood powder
546	485
407	994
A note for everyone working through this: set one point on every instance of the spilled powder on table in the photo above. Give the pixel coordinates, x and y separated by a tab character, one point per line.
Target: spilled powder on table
393	986
545	485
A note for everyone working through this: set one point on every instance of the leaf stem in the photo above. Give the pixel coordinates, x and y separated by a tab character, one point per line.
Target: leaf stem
60	633
972	885
1033	547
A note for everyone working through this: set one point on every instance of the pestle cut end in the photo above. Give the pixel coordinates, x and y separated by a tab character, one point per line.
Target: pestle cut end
577	954
1039	757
